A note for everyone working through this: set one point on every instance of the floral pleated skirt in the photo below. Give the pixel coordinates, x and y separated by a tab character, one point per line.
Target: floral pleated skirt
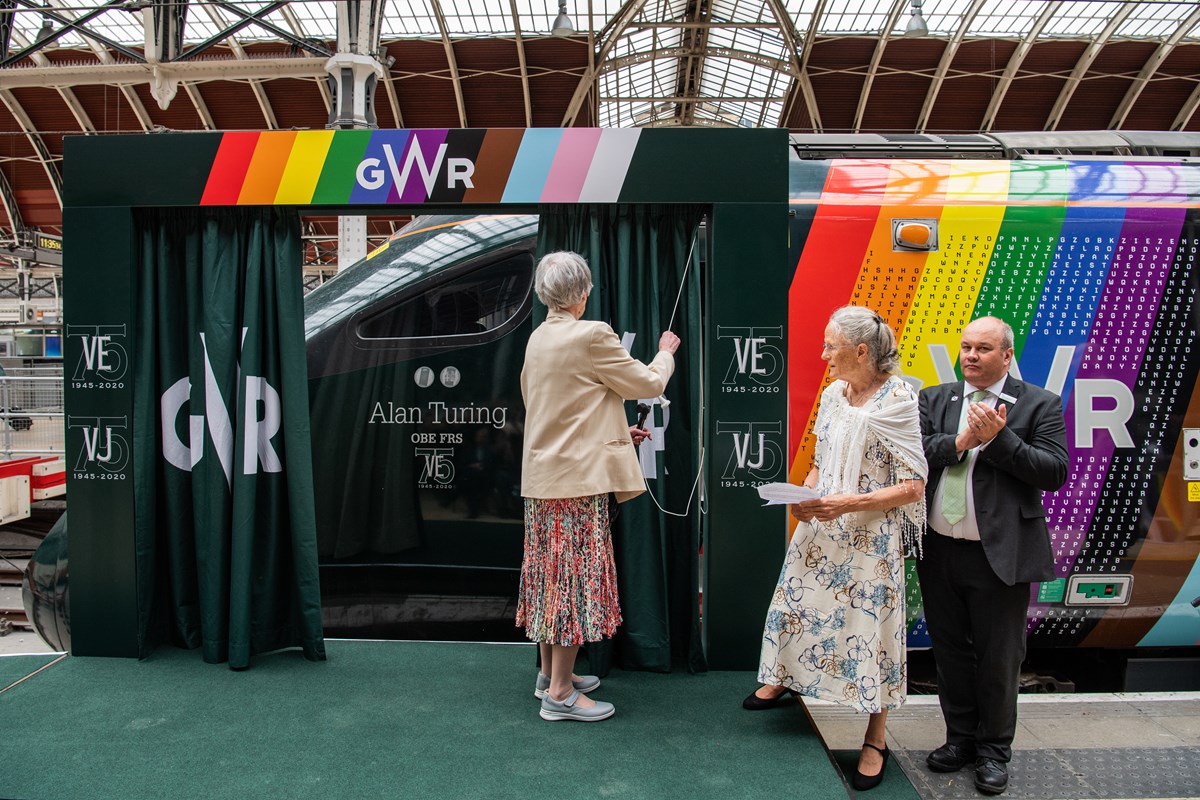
568	592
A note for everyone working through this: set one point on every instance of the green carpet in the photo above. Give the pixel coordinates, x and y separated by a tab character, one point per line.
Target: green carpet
895	786
13	668
394	720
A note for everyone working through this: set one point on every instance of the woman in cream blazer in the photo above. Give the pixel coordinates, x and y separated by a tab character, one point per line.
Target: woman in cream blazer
578	448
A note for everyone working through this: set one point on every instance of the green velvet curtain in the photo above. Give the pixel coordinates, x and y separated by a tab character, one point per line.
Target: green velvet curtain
225	537
638	256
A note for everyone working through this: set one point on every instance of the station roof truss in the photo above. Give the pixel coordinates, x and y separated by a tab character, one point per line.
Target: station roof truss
70	67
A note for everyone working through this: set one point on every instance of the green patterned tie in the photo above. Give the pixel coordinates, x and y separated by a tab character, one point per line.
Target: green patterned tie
954	482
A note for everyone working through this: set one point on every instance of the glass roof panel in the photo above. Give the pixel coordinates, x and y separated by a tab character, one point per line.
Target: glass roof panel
471	18
319	20
868	16
801	12
740	11
944	17
1149	20
1086	18
1014	17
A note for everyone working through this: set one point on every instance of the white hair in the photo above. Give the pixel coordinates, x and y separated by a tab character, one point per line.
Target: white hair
562	279
863	326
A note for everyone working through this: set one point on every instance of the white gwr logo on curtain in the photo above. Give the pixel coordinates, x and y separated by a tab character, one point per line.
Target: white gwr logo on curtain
262	414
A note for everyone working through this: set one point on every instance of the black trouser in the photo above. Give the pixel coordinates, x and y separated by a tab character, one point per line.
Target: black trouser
977	624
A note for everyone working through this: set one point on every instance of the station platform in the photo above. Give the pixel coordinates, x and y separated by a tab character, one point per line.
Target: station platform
1121	746
458	720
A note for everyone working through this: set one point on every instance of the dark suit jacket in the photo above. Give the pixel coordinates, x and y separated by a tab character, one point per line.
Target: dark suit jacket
1027	457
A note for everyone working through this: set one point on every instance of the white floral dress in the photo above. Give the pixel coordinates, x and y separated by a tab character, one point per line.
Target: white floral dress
836	627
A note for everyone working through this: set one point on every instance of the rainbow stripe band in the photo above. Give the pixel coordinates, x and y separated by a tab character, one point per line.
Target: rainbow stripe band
538	165
1009	183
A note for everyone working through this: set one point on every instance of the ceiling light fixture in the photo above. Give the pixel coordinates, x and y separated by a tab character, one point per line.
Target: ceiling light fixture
562	23
916	23
46	31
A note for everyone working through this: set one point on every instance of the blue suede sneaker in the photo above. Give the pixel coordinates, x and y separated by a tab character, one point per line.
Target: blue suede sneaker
553	710
583	683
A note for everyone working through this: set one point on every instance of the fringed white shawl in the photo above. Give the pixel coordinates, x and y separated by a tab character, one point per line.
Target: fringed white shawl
898	428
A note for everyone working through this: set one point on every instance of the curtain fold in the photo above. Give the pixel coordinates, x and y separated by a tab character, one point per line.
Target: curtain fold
226	533
638	257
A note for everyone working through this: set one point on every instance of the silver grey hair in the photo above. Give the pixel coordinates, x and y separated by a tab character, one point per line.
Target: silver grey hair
863	326
562	279
1007	339
1006	334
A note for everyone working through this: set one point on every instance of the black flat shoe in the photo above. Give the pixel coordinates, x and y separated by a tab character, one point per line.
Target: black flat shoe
756	703
991	776
864	782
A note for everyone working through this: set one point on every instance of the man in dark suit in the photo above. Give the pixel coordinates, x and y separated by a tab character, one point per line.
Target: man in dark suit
994	444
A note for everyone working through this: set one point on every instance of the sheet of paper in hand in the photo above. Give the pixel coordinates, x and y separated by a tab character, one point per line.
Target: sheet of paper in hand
777	494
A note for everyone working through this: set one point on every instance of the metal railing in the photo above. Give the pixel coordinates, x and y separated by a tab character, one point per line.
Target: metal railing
31	413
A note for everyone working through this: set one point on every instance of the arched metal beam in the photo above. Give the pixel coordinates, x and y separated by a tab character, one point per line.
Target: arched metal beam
193	93
436	5
788	32
11	207
943	68
898	8
70	23
105	57
393	99
297	27
239	52
810	96
690	71
616	27
1156	59
1187	110
35	140
247	18
516	18
1085	63
65	92
664	53
1014	64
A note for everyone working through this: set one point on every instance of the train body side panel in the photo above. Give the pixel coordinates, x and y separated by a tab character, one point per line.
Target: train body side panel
1094	264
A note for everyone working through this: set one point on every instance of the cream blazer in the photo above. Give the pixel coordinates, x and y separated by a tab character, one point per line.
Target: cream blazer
577	442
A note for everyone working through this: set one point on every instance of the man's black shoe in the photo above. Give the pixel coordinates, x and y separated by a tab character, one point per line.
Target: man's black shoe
991	776
950	758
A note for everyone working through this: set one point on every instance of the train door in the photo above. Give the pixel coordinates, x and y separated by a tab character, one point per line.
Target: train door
414	362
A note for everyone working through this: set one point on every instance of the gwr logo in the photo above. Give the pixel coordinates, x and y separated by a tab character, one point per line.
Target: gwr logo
752	356
256	396
753	451
103	354
438	466
102	447
1090	394
370	173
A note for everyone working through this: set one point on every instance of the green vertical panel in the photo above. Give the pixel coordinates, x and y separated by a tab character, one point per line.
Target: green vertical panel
337	176
163	169
97	358
700	166
746	387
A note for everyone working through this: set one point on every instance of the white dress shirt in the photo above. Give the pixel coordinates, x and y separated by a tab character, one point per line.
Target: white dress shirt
967	527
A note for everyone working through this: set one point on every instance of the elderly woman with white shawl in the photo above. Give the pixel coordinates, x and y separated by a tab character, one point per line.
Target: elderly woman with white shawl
836	626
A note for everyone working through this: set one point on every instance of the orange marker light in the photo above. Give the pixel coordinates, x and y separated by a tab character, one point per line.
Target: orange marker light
914	234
